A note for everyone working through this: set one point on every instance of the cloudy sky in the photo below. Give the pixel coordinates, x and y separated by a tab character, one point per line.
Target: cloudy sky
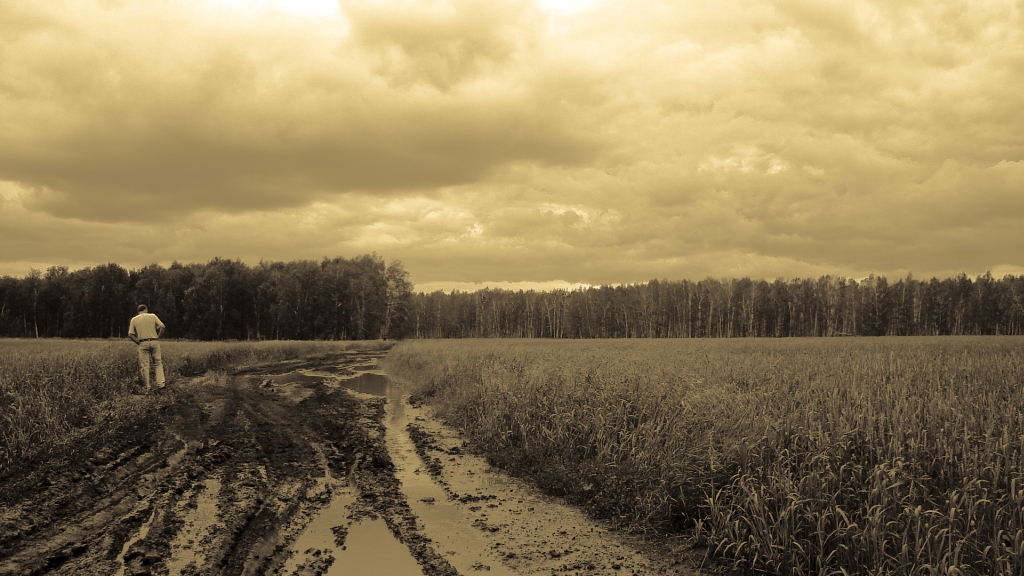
517	142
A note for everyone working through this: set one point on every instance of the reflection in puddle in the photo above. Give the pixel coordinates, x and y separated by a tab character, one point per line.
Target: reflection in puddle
368	546
198	523
371	548
366	382
375	384
140	535
174	459
449	526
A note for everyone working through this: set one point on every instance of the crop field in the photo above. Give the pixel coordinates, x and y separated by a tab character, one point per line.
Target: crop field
797	456
782	456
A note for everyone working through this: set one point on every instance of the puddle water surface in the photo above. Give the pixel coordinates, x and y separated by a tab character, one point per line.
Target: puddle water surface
372	549
448	525
198	523
140	535
297	378
375	384
369	547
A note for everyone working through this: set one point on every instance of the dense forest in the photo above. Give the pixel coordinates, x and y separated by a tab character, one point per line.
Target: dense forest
364	298
827	306
336	299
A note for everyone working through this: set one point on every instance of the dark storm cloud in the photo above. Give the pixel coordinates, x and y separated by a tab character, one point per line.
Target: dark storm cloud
107	126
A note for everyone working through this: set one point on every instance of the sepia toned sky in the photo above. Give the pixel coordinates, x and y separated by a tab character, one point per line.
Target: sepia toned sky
517	143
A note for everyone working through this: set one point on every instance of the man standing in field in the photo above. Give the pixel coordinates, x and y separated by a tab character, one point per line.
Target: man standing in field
145	330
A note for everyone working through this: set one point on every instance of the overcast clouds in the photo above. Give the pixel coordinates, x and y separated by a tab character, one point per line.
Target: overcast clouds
511	141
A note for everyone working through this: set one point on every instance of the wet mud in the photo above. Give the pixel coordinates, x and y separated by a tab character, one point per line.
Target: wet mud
314	466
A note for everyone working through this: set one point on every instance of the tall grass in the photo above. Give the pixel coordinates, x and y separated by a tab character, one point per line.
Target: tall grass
851	456
53	390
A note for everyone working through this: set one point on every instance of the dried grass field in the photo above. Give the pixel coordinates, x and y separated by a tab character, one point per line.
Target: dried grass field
797	456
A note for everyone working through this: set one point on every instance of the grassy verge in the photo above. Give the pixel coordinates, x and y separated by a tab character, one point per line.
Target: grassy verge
52	392
857	456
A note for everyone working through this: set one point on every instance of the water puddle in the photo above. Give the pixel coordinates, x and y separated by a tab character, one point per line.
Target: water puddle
450	526
298	385
376	385
146	483
370	548
333	545
140	535
175	459
297	378
200	524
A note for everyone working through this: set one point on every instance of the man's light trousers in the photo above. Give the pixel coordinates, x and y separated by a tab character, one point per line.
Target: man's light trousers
147	350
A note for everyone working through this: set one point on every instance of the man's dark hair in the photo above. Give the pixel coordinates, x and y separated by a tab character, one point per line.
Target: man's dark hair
142	308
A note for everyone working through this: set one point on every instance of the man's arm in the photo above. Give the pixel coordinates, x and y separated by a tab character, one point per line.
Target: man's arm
133	332
159	327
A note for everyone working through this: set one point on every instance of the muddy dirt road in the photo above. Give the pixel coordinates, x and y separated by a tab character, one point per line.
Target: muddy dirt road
318	466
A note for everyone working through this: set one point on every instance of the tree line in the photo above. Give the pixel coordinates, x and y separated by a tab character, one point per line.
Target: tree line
335	299
722	308
366	298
